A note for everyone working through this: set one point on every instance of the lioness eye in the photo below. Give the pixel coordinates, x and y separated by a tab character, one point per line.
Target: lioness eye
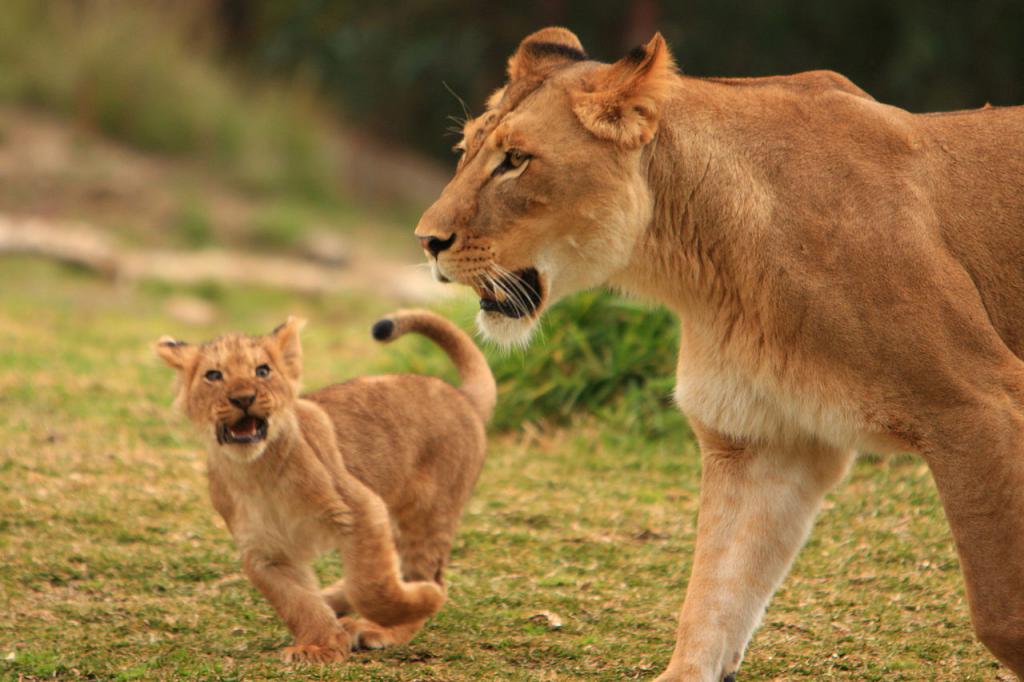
214	375
513	159
263	370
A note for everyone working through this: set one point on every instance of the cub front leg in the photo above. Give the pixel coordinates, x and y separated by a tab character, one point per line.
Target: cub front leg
757	505
292	590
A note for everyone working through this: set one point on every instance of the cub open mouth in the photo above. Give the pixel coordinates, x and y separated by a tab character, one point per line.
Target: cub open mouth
248	429
514	295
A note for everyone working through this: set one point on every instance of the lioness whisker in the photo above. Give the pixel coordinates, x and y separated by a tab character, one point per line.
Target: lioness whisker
462	102
517	279
514	297
525	289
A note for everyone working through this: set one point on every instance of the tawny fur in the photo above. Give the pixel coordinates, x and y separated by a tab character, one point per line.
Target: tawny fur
847	276
373	467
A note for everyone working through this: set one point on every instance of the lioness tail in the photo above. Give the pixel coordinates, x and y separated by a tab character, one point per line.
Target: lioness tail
477	381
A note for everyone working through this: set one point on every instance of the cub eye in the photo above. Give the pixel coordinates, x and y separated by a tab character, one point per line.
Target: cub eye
513	159
213	375
263	370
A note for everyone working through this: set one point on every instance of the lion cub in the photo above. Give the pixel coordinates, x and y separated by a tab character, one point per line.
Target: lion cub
377	467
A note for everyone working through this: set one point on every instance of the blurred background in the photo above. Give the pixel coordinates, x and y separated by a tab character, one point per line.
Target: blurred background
190	167
163	140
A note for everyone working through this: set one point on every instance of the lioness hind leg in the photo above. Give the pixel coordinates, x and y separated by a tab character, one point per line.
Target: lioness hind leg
979	473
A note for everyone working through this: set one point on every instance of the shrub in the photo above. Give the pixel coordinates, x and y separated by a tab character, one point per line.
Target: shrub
595	353
145	73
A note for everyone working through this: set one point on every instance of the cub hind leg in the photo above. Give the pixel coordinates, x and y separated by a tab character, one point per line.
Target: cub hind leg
366	634
423	546
373	585
424	541
336	598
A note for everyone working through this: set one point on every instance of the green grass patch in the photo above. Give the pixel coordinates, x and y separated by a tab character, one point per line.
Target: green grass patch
595	354
113	565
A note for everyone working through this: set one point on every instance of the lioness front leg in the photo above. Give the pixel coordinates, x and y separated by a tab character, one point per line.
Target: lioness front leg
757	505
292	590
978	465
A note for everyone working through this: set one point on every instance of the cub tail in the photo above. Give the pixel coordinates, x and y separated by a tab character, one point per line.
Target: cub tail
477	381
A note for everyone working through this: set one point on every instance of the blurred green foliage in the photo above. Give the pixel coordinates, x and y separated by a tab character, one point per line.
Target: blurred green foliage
146	73
387	63
594	354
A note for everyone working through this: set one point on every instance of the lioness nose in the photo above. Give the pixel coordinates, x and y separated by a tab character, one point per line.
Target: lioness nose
242	402
435	245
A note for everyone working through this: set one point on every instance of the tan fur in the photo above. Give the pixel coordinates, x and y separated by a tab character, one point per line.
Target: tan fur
847	275
371	467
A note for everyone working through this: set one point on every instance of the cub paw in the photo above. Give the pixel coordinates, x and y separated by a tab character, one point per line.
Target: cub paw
369	635
397	602
427	596
335	650
365	634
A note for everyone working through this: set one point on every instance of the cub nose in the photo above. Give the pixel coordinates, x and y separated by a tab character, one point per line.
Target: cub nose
242	402
435	245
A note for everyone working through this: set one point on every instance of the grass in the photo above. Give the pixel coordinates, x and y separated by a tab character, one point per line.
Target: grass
114	566
594	354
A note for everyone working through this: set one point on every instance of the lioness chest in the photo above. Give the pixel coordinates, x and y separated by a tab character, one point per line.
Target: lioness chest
741	393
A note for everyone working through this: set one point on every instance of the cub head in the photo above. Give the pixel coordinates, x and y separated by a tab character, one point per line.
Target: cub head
238	390
550	194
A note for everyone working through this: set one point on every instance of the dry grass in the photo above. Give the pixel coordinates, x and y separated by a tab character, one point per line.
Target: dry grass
113	565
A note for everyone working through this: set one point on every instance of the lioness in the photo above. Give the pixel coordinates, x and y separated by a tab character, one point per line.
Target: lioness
847	275
341	467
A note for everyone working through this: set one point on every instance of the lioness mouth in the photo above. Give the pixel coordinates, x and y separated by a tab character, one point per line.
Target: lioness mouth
514	295
248	429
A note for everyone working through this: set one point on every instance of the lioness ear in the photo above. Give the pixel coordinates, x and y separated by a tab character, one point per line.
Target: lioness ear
286	336
544	51
176	354
622	102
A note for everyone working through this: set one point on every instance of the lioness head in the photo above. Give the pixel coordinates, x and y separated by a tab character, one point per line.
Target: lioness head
238	389
549	196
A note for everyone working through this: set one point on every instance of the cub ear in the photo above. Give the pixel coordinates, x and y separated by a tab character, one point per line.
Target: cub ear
622	102
544	51
177	354
286	337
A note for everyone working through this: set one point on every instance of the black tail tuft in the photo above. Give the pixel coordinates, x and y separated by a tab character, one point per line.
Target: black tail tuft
382	329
